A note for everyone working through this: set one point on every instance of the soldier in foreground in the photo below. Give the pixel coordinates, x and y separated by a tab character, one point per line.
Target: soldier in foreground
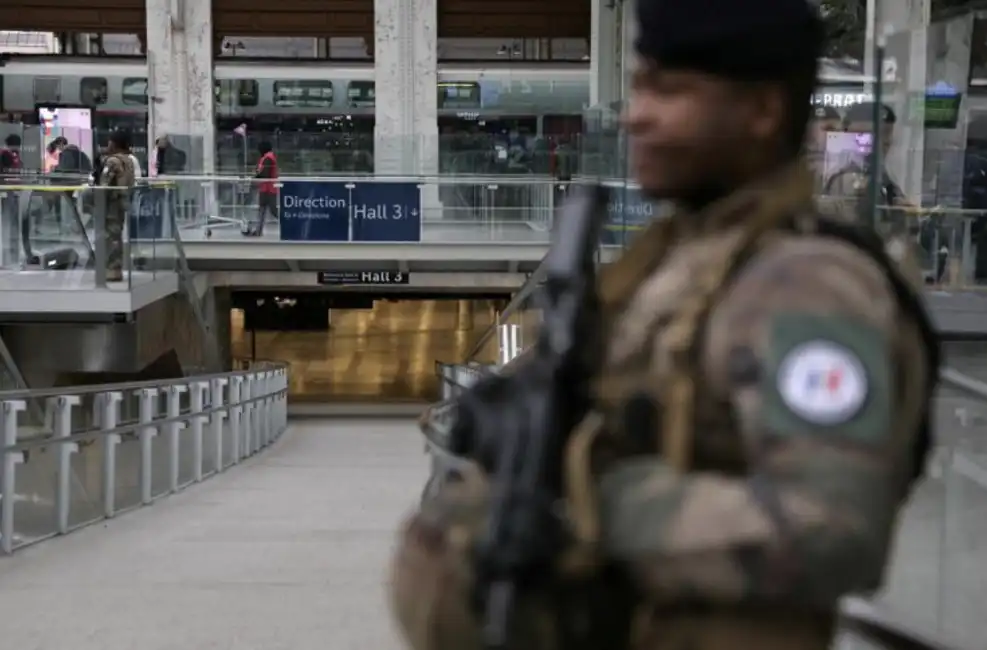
761	409
118	173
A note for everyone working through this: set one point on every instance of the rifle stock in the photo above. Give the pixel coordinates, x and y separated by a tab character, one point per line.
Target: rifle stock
518	425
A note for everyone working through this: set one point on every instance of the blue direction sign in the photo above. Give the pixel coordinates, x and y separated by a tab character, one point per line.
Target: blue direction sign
362	277
628	212
315	211
386	212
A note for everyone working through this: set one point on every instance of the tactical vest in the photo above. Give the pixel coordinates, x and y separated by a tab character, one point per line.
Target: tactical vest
689	326
684	336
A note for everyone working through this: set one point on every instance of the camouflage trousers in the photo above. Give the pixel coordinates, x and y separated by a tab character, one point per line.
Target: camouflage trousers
116	221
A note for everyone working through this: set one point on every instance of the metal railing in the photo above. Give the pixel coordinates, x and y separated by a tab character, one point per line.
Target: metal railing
519	203
64	227
96	458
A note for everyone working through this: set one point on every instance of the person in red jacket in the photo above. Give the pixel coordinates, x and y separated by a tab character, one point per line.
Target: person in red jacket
267	189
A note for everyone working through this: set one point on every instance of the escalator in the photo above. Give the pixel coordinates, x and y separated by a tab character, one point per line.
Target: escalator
40	351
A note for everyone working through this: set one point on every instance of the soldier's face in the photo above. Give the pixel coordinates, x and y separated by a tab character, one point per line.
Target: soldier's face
690	132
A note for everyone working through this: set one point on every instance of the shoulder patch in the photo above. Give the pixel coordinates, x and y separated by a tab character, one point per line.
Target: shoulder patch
822	382
828	374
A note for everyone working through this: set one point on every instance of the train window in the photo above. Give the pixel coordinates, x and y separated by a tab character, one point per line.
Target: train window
47	90
459	94
361	94
301	93
237	92
135	91
93	91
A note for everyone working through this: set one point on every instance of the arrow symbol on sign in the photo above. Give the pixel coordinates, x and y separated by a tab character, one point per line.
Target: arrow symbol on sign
414	213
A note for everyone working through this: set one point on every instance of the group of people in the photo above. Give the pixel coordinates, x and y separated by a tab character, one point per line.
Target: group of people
116	169
748	416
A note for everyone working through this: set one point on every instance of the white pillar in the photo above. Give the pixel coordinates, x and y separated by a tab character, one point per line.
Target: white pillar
945	149
628	36
180	78
406	131
906	24
606	52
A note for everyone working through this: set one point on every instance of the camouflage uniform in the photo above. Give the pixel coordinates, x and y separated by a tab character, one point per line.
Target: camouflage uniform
752	439
118	172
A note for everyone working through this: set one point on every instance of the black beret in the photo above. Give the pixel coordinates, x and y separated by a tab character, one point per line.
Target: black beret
864	112
742	39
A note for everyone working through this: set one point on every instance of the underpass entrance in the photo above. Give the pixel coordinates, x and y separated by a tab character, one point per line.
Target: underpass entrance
360	347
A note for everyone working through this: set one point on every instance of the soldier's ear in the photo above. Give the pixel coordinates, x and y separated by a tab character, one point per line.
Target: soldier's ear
768	110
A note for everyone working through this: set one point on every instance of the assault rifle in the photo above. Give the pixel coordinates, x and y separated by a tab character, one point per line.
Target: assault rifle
517	425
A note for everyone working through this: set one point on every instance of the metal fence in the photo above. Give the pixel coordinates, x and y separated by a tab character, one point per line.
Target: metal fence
108	449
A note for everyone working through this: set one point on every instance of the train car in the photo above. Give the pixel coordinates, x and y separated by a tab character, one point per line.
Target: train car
318	109
250	90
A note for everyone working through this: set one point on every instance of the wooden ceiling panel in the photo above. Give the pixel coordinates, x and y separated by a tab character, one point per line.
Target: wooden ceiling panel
455	25
74	20
73	5
519	10
295	6
245	23
458	18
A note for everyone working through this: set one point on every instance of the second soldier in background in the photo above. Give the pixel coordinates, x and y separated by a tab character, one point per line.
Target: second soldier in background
762	408
119	175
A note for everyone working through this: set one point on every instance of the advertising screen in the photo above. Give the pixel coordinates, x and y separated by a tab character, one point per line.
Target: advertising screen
843	149
73	124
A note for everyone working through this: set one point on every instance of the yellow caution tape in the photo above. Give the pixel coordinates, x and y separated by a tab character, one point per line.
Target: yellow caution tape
75	188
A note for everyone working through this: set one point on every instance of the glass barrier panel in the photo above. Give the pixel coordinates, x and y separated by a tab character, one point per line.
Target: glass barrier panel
55	490
337	209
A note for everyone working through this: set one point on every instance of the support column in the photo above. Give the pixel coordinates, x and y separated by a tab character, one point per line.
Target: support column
181	95
945	149
406	131
628	36
606	52
905	24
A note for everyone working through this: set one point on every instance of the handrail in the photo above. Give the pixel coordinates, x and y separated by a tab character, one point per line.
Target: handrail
517	301
137	426
956	379
125	386
228	417
439	179
889	629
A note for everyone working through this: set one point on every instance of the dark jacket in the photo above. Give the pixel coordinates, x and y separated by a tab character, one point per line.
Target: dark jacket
169	160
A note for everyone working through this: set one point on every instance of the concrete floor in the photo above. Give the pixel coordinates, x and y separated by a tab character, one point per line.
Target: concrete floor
288	551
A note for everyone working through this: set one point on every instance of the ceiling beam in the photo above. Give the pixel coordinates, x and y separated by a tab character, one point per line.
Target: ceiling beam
511	26
74	5
75	20
462	19
295	6
247	23
519	9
